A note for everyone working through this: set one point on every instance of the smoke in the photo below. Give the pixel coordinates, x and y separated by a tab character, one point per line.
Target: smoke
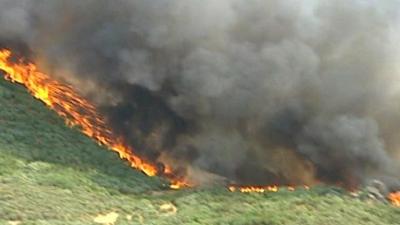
258	91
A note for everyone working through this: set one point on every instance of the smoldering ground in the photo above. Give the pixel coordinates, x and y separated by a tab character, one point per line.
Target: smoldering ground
258	91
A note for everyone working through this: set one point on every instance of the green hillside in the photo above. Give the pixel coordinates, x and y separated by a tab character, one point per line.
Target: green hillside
51	174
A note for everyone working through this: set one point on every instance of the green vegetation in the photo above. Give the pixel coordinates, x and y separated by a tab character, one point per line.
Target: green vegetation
51	174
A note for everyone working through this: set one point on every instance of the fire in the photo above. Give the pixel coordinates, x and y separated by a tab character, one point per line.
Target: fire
250	189
395	198
79	112
76	110
176	185
261	189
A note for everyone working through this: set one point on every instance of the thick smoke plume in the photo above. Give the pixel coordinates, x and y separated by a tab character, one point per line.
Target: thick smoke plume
257	91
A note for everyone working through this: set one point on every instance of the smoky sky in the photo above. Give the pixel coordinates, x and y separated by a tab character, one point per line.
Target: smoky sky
257	91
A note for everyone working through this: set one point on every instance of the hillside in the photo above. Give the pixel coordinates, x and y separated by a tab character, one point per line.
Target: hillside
51	174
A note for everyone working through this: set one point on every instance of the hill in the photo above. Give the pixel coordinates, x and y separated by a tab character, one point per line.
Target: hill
52	174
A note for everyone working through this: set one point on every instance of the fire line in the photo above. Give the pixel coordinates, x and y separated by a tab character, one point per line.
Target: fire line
76	111
79	112
395	198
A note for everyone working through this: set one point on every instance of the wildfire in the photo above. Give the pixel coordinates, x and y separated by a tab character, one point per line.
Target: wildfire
395	198
260	189
251	189
76	111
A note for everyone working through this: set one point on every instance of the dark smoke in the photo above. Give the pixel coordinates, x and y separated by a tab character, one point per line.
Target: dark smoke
258	91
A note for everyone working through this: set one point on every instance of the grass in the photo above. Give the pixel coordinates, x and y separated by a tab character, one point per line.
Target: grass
52	174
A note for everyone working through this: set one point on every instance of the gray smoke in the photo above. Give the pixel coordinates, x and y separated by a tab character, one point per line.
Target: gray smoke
259	91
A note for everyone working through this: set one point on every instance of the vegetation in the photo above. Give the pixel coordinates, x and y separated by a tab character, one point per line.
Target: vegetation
52	174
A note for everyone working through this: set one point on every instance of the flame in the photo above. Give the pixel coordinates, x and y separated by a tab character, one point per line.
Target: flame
395	198
256	189
176	185
261	189
77	111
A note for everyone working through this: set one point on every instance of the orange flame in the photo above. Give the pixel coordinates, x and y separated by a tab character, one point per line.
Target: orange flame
255	189
76	111
260	189
79	112
395	198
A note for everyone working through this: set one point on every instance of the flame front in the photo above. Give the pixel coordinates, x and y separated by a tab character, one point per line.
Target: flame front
255	189
260	189
79	112
395	198
76	111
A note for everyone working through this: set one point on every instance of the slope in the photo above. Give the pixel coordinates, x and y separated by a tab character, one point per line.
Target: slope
52	174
